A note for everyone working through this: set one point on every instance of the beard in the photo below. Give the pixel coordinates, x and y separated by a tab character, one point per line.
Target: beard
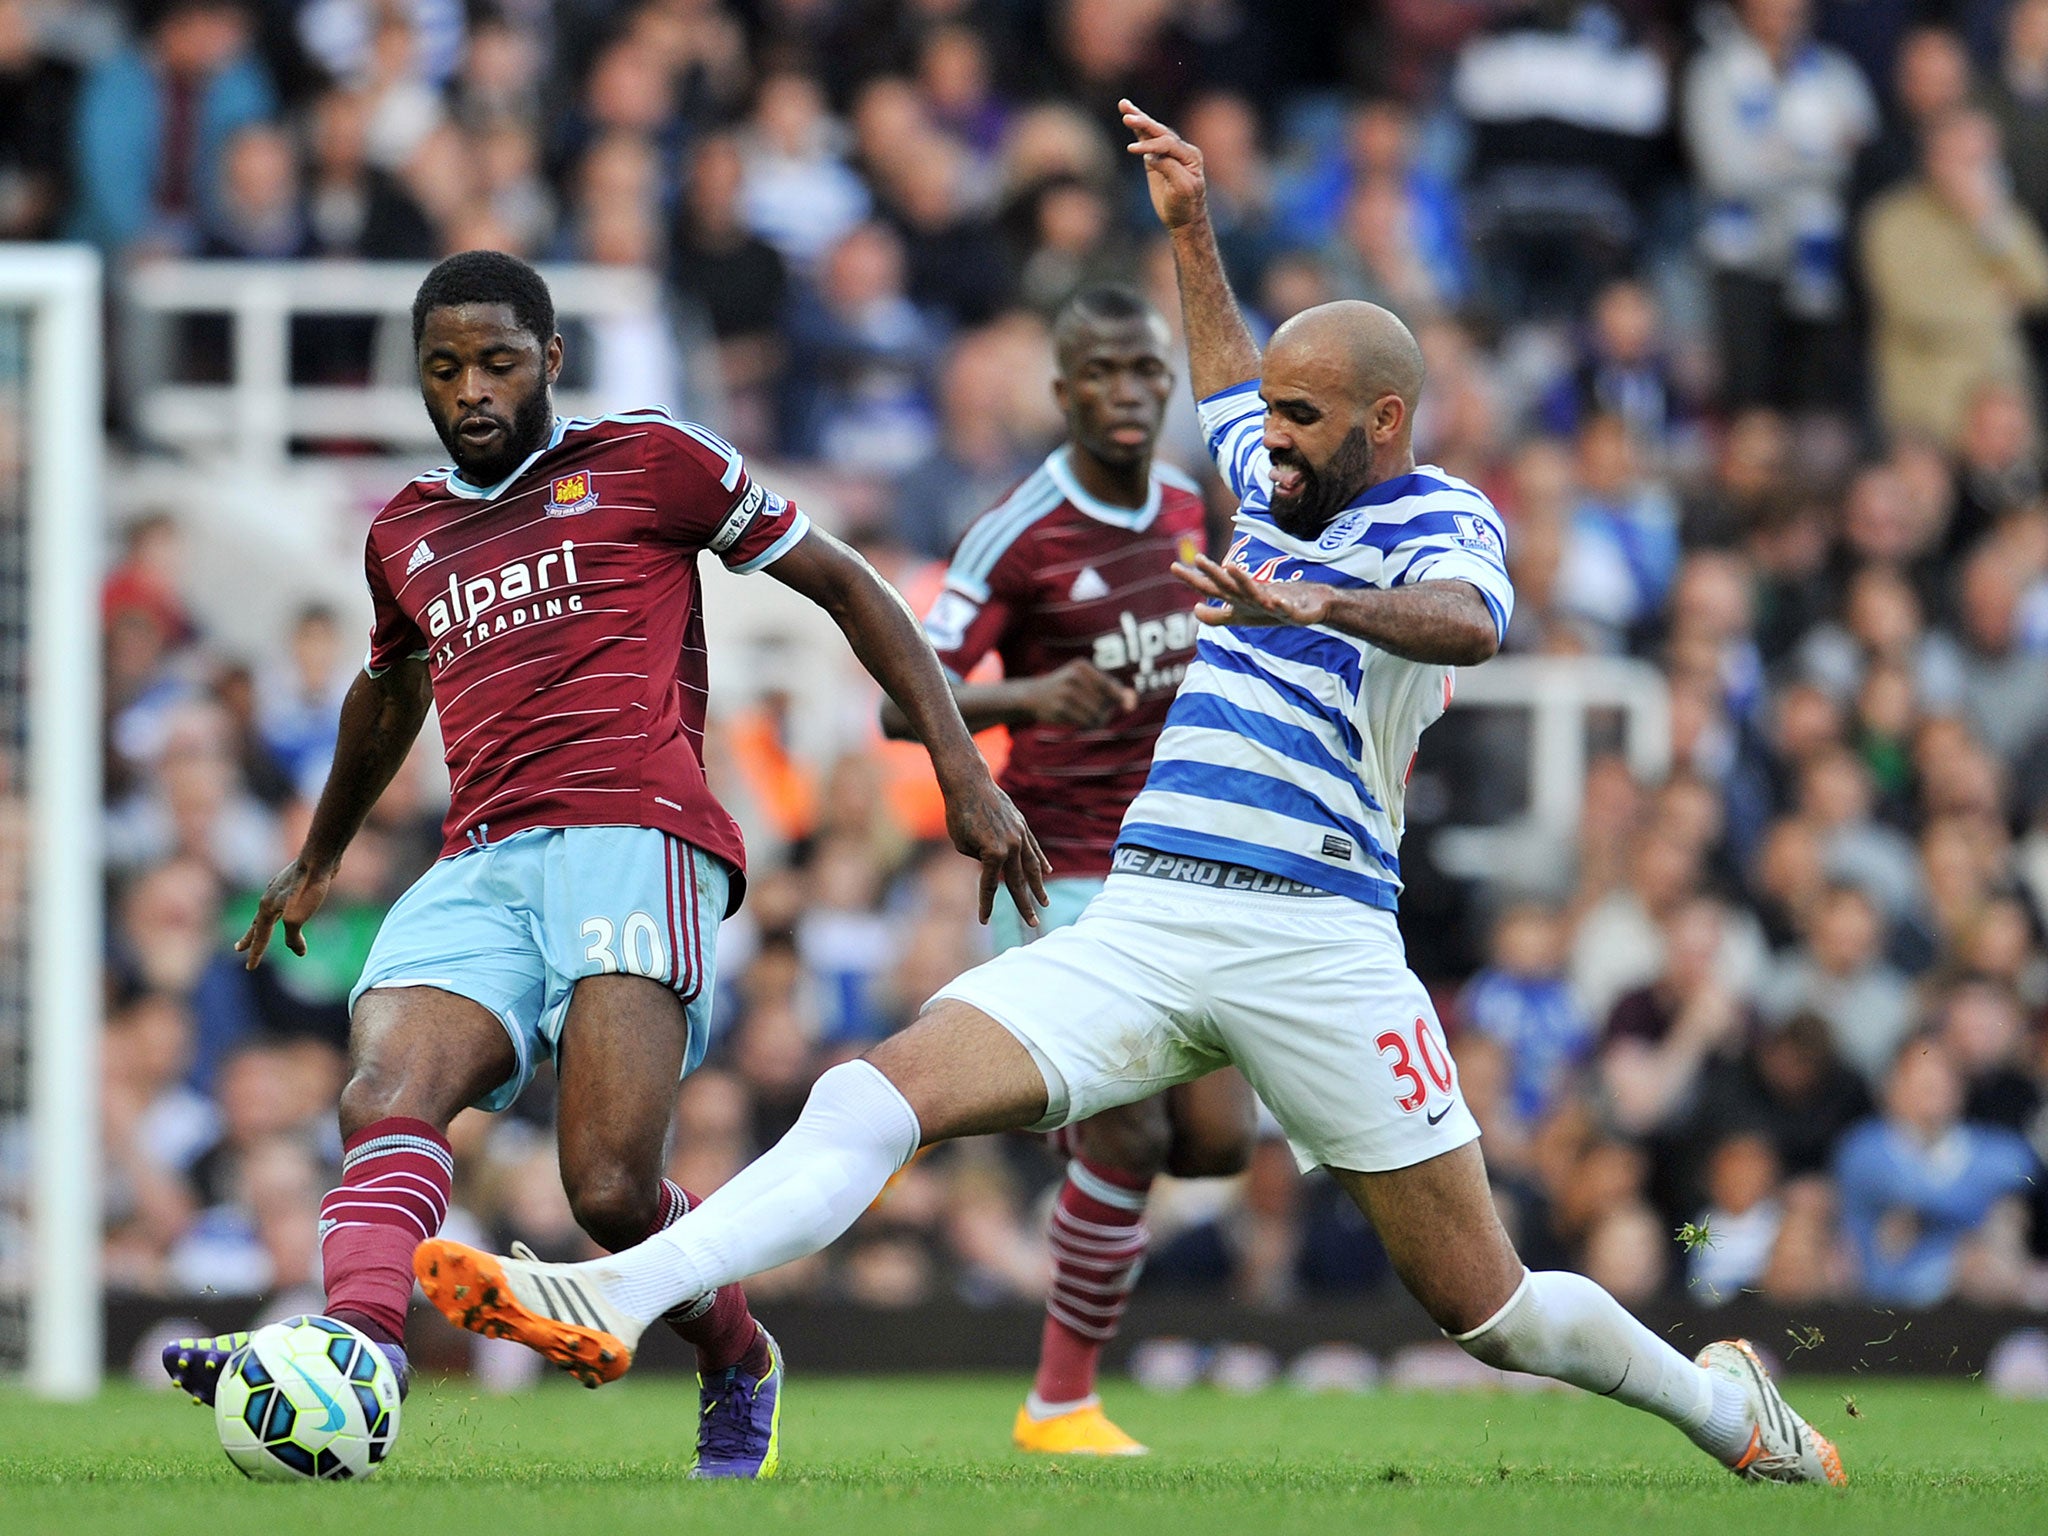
1326	491
526	431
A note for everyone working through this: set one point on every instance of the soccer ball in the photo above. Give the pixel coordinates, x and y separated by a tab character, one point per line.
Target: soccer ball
307	1397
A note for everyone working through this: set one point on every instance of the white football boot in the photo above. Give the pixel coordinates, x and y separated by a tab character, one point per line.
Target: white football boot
1783	1447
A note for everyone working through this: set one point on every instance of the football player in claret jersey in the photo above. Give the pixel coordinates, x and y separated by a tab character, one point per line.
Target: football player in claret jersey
1249	916
1070	581
543	592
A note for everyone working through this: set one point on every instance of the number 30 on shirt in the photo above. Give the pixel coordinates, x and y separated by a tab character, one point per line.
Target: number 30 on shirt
1420	1064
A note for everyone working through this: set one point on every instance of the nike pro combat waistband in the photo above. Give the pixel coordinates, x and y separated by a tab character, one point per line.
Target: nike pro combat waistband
1214	873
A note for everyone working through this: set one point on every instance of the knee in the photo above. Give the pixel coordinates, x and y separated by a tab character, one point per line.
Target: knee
615	1209
373	1093
1210	1152
1136	1139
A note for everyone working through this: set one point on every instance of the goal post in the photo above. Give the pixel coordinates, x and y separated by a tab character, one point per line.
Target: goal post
50	308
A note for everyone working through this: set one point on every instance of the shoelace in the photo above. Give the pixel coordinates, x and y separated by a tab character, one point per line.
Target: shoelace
726	1422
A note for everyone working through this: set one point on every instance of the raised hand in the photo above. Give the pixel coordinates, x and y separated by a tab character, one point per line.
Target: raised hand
294	896
1173	168
1235	596
1079	694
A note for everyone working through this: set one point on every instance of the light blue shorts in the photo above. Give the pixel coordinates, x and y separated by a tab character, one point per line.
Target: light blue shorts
1066	899
514	925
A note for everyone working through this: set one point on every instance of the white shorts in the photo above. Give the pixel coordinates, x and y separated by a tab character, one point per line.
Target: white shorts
1310	997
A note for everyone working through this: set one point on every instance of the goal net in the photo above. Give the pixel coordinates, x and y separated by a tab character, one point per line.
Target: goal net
50	919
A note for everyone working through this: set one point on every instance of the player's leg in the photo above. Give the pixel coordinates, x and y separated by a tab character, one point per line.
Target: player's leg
1098	1237
1088	1021
1444	1237
1214	1122
1342	1042
620	1055
955	1072
418	1055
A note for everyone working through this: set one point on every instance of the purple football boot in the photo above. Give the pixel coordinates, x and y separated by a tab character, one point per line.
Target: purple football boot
194	1365
740	1423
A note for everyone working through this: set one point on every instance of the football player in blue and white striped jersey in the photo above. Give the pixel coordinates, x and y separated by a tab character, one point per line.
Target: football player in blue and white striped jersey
1249	915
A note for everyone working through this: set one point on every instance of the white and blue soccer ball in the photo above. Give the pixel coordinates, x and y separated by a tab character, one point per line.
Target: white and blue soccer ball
307	1398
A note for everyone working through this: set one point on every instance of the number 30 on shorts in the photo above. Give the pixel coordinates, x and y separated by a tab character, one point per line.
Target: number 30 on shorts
634	948
1403	1049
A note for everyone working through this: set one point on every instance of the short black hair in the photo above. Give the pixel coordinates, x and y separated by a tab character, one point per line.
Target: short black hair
1103	301
1097	304
487	277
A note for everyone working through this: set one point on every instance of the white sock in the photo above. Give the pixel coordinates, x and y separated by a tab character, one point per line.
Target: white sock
1564	1326
1041	1410
855	1132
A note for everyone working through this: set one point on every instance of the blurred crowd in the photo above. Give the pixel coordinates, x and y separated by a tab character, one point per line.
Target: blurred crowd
1737	311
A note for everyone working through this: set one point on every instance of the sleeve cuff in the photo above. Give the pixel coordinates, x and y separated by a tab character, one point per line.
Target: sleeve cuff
775	551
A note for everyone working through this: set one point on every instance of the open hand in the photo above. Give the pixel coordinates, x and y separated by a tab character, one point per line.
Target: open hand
295	895
1173	168
1235	596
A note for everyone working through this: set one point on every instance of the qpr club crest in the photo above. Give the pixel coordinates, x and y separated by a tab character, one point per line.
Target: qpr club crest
571	494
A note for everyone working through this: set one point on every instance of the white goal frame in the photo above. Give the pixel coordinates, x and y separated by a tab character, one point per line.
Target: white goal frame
60	287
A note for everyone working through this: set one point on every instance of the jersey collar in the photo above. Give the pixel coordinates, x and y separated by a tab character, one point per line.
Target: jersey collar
462	487
1134	518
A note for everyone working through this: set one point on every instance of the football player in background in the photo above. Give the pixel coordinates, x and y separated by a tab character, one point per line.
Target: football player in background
1069	579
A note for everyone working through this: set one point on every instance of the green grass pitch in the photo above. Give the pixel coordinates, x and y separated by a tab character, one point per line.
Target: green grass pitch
912	1456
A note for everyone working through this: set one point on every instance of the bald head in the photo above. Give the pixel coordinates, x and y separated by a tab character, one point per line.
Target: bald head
1372	349
1341	382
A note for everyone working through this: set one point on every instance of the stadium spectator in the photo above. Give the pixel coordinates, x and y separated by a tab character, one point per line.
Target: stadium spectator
1954	265
153	124
36	92
861	358
1741	1222
1773	122
957	78
1840	975
299	698
1931	79
1378	144
1622	366
1568	111
1241	191
1920	1185
1660	1037
2005	688
1523	1003
734	282
797	192
2017	97
1621	545
259	213
355	209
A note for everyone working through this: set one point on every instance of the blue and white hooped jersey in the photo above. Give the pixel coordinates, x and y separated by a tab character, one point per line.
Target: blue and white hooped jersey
1288	748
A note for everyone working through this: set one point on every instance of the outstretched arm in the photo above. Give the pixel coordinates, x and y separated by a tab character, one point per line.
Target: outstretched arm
1447	622
1221	351
380	719
878	624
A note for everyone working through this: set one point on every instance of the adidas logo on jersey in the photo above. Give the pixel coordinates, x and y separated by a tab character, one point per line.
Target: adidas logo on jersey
1088	586
421	555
